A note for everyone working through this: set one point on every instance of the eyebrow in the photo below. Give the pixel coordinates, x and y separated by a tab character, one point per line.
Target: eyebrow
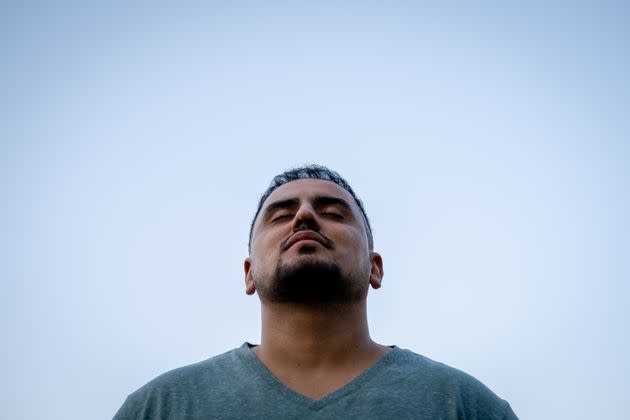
319	201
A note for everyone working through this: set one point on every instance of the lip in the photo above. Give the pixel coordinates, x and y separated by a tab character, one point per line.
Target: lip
306	235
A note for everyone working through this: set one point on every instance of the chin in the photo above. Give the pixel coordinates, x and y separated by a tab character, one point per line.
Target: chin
308	279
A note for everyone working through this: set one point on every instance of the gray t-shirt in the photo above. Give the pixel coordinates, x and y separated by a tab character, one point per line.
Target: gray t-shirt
236	385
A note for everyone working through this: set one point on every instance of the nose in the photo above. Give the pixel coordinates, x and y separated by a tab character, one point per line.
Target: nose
305	219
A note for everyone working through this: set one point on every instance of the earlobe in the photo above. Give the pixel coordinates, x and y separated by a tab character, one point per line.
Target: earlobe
250	289
376	275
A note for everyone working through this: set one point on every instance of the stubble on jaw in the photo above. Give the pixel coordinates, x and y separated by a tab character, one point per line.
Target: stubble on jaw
310	281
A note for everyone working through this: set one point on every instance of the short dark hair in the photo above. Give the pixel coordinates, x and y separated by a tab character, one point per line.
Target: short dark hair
310	172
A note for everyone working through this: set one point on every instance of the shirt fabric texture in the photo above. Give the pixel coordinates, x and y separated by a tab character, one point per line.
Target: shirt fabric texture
236	385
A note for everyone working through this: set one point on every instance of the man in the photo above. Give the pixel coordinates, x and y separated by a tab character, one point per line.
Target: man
311	261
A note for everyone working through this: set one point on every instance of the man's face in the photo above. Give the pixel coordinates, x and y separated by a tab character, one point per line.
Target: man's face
310	236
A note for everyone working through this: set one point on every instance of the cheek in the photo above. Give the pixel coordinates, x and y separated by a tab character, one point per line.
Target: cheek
260	270
264	244
264	259
355	252
354	240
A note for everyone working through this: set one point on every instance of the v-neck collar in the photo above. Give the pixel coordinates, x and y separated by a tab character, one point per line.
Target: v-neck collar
248	356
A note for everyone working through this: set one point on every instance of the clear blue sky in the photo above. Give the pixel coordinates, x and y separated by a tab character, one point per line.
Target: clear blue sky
489	142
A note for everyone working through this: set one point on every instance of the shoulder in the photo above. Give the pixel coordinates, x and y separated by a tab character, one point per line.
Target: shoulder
447	386
180	387
432	371
200	373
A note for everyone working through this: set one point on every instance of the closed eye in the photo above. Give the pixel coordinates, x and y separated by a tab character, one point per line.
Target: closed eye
334	215
281	217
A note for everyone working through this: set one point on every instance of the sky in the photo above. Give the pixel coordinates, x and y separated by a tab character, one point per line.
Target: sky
488	141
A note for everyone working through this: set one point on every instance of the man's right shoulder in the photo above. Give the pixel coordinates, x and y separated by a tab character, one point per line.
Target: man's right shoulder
199	373
181	387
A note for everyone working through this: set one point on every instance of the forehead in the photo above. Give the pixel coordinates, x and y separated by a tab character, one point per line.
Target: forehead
307	189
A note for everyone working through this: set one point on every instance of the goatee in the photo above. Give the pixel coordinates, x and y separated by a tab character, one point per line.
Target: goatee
310	282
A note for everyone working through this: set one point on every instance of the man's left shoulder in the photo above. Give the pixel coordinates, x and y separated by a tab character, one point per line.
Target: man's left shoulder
444	385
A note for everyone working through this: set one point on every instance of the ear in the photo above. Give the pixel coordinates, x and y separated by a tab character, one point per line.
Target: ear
249	279
376	275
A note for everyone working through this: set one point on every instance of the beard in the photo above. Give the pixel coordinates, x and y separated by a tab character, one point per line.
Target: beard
310	282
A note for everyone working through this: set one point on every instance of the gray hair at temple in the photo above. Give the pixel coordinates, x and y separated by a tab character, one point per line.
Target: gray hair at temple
311	172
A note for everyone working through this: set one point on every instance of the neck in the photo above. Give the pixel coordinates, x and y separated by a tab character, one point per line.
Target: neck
315	336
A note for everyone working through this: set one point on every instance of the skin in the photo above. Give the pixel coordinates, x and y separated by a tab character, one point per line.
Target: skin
314	349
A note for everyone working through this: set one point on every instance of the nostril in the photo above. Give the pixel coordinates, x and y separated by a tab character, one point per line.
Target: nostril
305	224
305	221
